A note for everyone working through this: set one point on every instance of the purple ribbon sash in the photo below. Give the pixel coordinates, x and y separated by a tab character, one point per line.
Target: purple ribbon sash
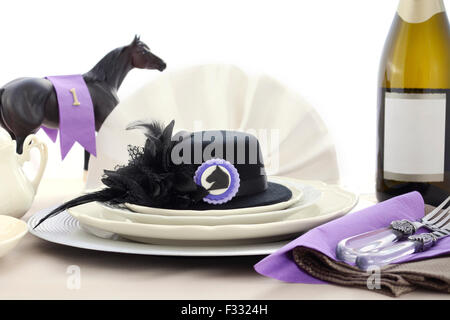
76	114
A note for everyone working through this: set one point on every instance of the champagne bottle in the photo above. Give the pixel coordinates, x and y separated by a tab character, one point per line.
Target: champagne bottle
413	104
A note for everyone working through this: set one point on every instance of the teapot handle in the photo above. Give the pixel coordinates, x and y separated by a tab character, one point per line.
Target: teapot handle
33	142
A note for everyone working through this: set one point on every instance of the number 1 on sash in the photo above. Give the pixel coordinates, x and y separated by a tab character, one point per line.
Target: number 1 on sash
75	98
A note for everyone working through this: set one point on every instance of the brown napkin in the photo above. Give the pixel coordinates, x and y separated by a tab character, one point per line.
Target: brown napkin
393	280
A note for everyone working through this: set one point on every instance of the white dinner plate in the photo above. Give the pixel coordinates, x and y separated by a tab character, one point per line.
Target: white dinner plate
310	196
333	203
66	230
297	194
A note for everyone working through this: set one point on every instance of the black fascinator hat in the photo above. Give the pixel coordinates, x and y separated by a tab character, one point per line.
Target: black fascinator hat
198	171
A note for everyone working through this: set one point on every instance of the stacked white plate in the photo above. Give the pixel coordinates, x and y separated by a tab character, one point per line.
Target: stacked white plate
259	230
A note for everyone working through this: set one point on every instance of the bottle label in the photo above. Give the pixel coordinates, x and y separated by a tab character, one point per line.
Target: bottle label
414	136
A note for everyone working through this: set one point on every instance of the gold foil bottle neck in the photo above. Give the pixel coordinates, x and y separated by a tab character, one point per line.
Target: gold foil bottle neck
417	11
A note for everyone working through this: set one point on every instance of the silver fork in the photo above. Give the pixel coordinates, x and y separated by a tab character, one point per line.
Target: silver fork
348	249
415	243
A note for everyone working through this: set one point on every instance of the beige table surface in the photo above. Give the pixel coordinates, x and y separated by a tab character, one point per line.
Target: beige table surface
37	269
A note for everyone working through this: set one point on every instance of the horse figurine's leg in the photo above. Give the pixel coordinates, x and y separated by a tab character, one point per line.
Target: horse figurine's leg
21	132
18	135
87	155
20	139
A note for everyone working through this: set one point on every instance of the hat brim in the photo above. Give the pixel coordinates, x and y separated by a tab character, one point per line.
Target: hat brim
275	193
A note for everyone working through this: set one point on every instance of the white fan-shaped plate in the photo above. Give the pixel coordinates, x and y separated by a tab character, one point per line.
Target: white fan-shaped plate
297	194
293	138
311	196
333	203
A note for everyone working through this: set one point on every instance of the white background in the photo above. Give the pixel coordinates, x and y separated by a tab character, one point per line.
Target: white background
328	51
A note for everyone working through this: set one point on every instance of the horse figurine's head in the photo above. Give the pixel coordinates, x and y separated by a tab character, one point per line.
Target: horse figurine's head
142	58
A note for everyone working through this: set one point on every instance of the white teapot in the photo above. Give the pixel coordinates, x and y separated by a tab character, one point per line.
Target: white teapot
16	190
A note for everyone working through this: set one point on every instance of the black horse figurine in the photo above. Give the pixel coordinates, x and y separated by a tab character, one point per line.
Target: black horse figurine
28	103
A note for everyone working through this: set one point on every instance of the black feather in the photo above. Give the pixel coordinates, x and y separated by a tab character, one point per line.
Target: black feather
150	178
102	195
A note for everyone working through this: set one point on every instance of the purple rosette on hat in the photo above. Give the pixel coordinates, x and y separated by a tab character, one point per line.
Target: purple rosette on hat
220	178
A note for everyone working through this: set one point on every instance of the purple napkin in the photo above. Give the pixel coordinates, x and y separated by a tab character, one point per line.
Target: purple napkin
324	238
